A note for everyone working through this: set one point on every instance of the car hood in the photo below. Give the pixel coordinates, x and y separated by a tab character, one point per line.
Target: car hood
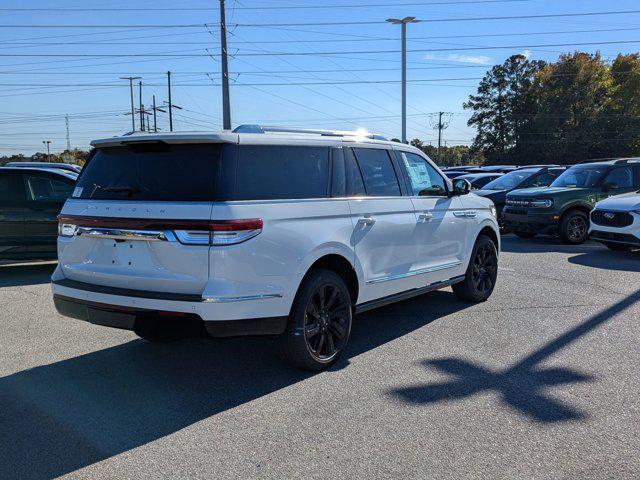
624	202
492	194
547	191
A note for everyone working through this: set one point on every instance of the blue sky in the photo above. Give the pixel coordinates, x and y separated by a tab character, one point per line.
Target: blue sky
311	86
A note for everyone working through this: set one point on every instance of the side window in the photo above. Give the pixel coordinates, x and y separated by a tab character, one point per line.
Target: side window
353	177
272	172
621	177
543	180
377	172
424	179
41	188
7	187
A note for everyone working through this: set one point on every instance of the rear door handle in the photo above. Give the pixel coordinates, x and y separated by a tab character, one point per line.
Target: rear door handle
424	217
471	214
367	221
459	213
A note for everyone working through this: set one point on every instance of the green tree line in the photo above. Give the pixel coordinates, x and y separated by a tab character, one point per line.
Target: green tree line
74	156
580	107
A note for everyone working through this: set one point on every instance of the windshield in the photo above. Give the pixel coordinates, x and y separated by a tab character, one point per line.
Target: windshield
582	176
510	181
151	171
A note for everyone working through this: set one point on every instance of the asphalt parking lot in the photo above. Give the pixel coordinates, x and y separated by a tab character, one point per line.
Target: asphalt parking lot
541	381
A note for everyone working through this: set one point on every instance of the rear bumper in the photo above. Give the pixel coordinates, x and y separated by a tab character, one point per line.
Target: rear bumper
530	222
116	316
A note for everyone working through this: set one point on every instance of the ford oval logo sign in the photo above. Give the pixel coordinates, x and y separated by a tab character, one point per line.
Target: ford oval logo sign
609	215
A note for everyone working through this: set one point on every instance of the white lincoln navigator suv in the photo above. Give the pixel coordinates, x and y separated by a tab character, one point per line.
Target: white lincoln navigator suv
265	231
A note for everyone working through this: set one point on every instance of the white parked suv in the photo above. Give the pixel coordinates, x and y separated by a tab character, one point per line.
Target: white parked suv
265	231
615	221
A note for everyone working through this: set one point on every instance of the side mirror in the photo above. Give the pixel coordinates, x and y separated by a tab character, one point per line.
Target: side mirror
461	187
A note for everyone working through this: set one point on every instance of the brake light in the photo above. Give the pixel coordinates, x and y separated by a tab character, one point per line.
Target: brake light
222	232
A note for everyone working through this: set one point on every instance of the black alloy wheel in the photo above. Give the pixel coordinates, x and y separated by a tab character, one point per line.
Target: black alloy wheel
482	272
485	268
325	321
319	323
574	228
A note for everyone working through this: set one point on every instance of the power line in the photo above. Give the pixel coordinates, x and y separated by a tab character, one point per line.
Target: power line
271	7
307	24
306	54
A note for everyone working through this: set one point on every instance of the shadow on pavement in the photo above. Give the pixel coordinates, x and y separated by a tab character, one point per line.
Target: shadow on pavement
513	244
522	386
609	260
61	417
17	275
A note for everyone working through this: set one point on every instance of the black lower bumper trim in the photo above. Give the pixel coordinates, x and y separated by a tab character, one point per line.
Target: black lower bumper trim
612	237
125	318
128	292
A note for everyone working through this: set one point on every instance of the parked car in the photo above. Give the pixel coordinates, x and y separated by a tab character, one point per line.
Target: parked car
61	166
498	189
451	174
615	221
479	180
30	200
494	169
257	233
563	208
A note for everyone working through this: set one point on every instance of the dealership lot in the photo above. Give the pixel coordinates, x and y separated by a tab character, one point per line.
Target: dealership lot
541	381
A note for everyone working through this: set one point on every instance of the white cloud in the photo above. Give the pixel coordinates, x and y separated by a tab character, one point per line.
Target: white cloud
454	57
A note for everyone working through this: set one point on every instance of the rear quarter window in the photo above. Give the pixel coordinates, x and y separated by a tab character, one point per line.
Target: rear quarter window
273	172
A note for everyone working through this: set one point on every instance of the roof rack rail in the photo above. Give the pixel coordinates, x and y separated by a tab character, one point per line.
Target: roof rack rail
248	128
596	160
615	160
628	160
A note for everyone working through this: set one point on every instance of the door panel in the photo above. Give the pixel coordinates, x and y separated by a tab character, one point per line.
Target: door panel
440	236
12	209
45	196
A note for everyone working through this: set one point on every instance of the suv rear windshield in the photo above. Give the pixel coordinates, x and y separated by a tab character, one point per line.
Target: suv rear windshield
151	171
586	176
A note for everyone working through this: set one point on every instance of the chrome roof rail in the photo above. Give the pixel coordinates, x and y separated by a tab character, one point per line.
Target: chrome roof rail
249	128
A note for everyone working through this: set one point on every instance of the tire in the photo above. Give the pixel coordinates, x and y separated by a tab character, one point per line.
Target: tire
618	247
574	227
165	330
482	272
525	234
319	323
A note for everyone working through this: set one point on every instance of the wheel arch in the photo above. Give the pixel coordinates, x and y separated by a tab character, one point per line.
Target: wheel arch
340	265
583	207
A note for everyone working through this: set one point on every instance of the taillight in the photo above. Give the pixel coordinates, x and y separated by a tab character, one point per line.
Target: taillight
222	232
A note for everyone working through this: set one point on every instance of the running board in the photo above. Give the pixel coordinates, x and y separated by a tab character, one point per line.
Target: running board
397	297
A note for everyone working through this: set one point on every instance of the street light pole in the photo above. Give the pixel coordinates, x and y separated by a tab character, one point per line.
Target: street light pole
403	24
48	143
133	112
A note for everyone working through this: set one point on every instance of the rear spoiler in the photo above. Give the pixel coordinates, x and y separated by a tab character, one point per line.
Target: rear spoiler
223	137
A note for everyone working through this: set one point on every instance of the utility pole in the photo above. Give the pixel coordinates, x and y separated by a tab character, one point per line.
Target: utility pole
226	108
403	23
155	120
66	121
440	126
141	109
48	143
170	105
133	113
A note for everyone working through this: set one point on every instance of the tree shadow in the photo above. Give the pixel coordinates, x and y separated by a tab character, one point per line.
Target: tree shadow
61	417
18	275
609	260
522	387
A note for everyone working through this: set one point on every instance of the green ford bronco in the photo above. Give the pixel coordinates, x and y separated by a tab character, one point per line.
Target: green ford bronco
563	207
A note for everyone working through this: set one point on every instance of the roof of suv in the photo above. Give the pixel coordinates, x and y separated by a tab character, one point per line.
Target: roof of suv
57	171
254	134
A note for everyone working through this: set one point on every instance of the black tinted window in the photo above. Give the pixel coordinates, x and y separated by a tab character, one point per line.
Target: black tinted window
280	172
42	188
9	189
621	177
377	171
354	183
176	172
